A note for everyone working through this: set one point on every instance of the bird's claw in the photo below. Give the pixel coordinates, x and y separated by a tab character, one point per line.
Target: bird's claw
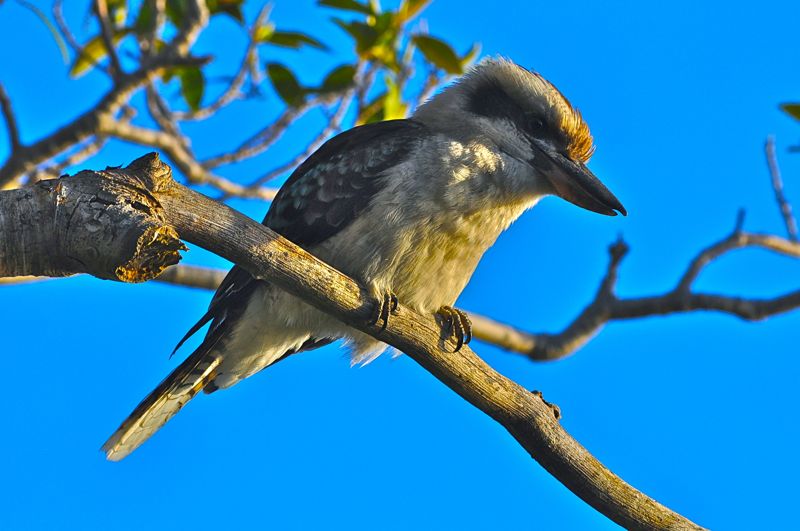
387	306
457	325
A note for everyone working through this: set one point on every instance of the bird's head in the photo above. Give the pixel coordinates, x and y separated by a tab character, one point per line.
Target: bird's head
529	120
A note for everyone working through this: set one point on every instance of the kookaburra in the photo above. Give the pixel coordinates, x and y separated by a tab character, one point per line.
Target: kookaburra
406	207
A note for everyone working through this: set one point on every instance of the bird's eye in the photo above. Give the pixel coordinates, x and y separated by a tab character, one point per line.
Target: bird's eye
536	125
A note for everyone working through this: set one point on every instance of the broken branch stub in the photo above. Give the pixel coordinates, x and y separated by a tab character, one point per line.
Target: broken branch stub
103	223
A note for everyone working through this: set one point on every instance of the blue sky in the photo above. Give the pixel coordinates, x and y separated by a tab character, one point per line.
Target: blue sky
698	411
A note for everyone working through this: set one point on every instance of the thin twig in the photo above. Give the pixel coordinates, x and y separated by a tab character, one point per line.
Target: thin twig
333	127
607	307
176	150
63	27
107	34
234	88
777	185
261	141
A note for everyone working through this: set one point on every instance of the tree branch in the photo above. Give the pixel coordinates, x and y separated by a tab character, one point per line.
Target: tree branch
233	90
107	33
88	124
10	119
605	306
777	185
529	419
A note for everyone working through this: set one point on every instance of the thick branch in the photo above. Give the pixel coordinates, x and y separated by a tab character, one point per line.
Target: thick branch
524	414
86	224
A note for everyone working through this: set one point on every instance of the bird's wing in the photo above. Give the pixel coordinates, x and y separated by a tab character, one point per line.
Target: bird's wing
321	197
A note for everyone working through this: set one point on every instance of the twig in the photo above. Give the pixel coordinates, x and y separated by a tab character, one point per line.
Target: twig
88	124
10	119
777	186
63	27
192	276
431	82
607	307
193	23
234	88
107	34
334	126
176	150
262	140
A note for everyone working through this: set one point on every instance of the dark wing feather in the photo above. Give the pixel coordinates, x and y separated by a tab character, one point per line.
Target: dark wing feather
331	188
321	197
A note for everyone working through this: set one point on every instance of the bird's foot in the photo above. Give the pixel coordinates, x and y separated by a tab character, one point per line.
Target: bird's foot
387	306
457	325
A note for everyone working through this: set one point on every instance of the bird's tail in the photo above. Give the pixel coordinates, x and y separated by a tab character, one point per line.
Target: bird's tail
158	407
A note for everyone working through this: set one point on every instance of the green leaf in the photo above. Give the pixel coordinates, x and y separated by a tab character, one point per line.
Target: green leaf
439	53
193	85
411	8
792	109
93	52
338	79
144	19
348	5
264	32
470	56
364	35
290	39
286	84
176	11
232	8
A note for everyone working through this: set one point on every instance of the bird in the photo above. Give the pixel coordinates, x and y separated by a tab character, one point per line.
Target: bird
407	207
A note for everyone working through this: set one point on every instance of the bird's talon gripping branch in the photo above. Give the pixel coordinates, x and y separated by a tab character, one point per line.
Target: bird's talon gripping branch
457	324
387	306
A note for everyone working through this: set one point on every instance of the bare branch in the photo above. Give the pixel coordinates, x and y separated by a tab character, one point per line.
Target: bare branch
333	127
192	276
63	27
261	141
10	119
195	20
527	417
88	124
234	88
607	307
107	33
432	81
175	149
777	186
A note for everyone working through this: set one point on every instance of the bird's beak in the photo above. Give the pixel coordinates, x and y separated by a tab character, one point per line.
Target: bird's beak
574	182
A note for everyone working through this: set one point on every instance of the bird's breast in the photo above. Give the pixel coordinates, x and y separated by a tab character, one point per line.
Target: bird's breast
440	254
